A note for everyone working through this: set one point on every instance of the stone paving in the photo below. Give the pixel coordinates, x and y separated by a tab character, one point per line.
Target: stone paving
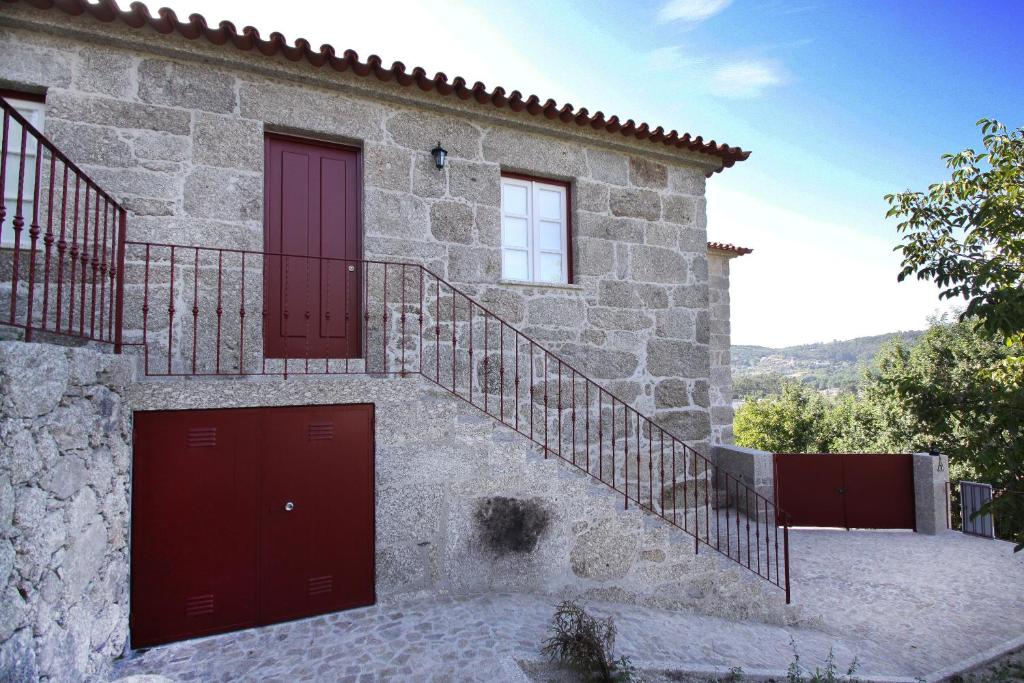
905	605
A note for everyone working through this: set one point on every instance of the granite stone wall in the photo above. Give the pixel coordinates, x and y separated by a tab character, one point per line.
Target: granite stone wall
175	129
720	398
65	434
464	505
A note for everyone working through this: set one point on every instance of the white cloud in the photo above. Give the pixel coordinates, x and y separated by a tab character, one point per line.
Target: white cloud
745	78
692	11
811	279
671	58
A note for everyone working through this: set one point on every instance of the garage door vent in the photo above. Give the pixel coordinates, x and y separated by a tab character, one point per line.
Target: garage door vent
318	585
321	432
199	605
202	437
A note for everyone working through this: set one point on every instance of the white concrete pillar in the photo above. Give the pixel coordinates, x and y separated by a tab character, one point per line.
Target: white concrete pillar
931	476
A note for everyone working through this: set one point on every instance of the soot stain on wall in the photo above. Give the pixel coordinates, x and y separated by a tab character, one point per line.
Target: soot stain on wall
511	525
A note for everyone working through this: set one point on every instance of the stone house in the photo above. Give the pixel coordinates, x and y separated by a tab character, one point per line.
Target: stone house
313	245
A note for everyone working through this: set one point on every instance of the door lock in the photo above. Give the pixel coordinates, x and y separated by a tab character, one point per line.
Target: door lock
351	269
289	506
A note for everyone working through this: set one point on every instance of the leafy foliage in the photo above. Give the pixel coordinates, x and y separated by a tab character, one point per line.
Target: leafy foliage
587	644
967	234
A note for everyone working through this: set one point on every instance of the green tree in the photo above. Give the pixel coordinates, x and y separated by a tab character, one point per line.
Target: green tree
790	422
967	235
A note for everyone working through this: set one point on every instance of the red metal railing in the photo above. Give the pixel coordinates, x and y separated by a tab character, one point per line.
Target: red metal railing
211	311
61	241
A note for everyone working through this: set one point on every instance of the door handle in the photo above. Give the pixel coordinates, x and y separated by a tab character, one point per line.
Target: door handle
289	506
351	269
840	490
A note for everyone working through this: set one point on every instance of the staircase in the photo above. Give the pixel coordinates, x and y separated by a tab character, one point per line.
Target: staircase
202	311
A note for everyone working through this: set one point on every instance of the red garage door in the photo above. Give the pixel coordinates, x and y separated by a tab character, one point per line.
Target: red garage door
244	517
850	490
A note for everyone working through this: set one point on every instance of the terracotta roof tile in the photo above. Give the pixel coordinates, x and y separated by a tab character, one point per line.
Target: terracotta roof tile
729	248
167	22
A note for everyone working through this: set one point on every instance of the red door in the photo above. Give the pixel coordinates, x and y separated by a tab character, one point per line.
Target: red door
879	491
317	481
194	541
312	220
809	488
215	547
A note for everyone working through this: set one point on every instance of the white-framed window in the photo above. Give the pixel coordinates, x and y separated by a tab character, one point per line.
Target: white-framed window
534	230
34	112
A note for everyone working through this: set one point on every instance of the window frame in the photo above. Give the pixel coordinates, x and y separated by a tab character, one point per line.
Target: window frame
568	253
35	103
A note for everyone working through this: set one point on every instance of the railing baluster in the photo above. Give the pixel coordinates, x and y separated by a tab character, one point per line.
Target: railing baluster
145	315
83	262
62	246
472	363
103	268
33	236
220	309
195	308
95	262
403	319
170	315
18	224
241	323
48	241
3	169
384	319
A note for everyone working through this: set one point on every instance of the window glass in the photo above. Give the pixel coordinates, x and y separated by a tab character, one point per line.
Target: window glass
534	226
33	112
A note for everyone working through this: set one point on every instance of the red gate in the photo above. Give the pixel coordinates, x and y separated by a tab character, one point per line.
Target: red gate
846	490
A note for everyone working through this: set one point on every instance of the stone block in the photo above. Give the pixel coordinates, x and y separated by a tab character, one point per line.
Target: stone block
621	294
672	393
191	86
600	363
86	144
421	131
556	312
593	257
535	154
31	394
36	67
396	215
160	146
685	425
387	166
308	110
219	194
677	323
228	142
607	167
608	227
427	179
931	476
606	319
647	173
679	209
632	203
135	182
588	196
655	264
473	264
451	222
475	182
669	358
686	180
604	551
104	111
487	221
104	71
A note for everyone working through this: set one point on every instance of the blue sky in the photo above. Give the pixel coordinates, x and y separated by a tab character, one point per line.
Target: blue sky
840	102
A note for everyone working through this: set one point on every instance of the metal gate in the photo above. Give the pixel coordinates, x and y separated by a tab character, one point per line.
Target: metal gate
846	490
973	496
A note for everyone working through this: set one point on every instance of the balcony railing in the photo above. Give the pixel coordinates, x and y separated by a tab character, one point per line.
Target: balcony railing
220	311
61	241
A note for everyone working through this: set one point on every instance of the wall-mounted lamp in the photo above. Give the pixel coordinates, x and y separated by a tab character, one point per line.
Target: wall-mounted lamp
439	153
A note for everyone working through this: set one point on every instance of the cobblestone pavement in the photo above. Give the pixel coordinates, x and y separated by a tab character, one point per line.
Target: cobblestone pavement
903	604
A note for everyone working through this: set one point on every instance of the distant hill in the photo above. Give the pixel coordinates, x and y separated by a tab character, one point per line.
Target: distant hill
757	370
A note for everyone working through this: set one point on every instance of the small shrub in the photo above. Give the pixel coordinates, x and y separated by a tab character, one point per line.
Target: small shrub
830	674
587	644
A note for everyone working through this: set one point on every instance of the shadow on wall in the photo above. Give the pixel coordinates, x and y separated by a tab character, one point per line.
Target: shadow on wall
511	525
